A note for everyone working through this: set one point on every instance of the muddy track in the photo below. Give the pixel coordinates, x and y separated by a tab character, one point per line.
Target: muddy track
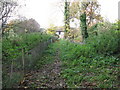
46	77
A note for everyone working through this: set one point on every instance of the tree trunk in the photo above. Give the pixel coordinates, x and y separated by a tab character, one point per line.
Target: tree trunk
67	21
83	26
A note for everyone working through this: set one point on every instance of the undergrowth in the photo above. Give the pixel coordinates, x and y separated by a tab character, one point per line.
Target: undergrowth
12	49
92	64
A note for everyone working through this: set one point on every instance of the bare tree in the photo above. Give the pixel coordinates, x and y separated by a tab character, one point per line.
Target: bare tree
6	9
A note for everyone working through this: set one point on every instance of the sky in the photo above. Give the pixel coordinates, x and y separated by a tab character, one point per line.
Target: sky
47	12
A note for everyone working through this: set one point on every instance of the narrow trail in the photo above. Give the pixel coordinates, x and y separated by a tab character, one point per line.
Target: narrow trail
46	77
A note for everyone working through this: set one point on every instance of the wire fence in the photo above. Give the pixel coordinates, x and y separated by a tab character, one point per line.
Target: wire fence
14	71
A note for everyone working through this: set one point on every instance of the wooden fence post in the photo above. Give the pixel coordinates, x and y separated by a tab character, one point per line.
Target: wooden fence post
11	70
23	60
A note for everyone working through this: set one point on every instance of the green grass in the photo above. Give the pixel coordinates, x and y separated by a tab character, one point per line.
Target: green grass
84	67
88	66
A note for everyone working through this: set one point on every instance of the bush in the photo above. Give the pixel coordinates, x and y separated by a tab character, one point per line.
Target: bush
106	42
12	46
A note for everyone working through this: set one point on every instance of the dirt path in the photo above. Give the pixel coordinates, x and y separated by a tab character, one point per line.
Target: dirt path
47	77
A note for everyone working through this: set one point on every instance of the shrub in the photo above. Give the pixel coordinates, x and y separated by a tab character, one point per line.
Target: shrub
105	43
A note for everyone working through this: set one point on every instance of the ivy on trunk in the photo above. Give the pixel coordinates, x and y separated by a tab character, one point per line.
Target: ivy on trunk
83	26
67	20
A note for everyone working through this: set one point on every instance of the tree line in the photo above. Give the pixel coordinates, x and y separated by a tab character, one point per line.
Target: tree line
87	12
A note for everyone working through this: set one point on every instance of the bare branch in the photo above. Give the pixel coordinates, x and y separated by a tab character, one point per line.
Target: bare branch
6	9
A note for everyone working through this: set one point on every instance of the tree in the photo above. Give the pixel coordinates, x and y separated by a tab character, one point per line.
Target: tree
87	11
75	10
23	26
83	20
93	12
83	26
31	25
52	29
67	18
6	9
91	7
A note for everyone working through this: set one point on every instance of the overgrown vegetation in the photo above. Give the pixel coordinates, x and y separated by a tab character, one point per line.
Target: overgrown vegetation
12	46
12	49
94	64
90	54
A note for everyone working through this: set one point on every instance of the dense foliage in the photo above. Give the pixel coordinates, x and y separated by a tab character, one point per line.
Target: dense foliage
15	47
94	64
107	43
12	46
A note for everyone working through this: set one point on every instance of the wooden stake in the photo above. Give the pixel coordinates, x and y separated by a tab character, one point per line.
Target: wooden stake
23	60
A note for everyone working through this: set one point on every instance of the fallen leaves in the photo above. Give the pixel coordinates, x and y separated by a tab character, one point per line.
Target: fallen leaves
48	76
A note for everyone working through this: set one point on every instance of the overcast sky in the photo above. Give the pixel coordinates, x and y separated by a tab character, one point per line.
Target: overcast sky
47	12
